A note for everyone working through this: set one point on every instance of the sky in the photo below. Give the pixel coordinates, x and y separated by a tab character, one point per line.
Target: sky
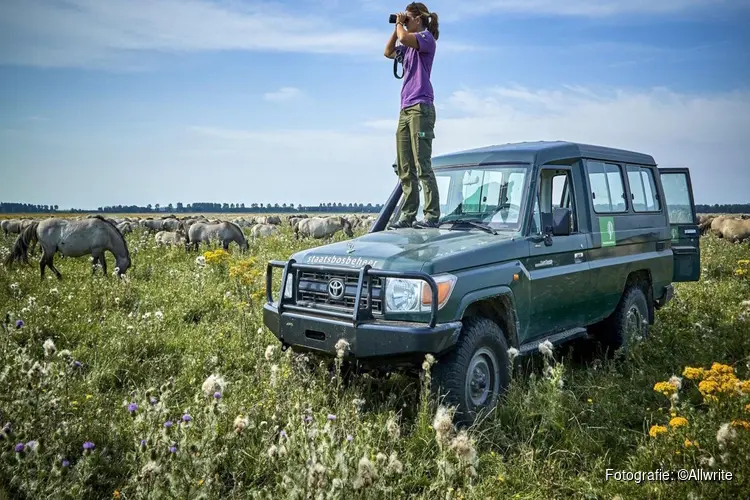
164	101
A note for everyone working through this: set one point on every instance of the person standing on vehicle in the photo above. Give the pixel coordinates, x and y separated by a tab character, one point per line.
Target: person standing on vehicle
416	121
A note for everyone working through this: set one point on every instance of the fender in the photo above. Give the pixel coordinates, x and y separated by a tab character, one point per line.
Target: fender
489	293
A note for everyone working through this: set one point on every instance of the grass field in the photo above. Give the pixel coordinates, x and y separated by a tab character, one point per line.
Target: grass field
166	385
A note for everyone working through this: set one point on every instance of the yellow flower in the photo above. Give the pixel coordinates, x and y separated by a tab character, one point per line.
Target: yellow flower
747	407
656	430
743	262
693	373
740	272
89	396
116	494
589	400
744	386
741	423
689	443
665	388
678	422
200	483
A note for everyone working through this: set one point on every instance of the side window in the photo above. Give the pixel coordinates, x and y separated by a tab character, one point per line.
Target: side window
554	192
643	189
607	187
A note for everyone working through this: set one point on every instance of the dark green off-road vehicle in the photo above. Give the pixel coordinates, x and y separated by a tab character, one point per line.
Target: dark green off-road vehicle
538	241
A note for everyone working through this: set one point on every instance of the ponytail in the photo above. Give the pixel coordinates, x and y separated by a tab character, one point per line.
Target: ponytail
432	25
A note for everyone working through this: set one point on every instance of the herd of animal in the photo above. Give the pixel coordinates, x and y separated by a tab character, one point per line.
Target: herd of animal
732	228
95	234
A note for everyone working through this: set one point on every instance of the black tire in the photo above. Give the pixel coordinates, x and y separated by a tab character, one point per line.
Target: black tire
628	323
481	345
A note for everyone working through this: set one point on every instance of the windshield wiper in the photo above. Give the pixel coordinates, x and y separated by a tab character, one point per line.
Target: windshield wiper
479	225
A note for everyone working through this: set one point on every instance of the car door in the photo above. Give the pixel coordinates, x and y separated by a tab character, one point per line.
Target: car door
678	196
559	272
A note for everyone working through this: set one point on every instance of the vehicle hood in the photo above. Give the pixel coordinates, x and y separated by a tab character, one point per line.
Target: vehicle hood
427	250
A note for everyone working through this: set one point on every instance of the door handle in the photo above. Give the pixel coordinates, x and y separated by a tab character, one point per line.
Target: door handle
578	255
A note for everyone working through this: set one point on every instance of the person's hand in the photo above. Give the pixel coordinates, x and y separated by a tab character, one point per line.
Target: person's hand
401	18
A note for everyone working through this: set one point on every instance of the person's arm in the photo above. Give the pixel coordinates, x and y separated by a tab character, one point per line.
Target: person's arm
390	47
406	38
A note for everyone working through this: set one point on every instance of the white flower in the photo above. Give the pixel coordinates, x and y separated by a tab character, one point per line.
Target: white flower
512	354
725	434
159	315
392	428
546	348
270	351
341	347
274	374
200	261
240	423
676	381
442	424
212	384
429	360
260	330
49	348
54	290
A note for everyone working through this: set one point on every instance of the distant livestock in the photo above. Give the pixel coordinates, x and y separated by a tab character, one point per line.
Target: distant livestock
322	227
225	232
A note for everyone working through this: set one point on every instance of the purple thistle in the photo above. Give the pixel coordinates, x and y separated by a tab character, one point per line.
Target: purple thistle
76	364
19	324
308	419
283	434
88	445
173	449
143	443
65	463
20	447
132	407
350	438
217	395
152	401
331	416
168	424
187	418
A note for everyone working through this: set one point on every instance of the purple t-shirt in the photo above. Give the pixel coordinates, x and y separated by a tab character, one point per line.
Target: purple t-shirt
417	68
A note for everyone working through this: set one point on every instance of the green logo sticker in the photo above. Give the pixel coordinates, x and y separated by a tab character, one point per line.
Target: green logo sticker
607	230
675	234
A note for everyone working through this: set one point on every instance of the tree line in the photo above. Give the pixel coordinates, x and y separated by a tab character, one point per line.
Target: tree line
200	207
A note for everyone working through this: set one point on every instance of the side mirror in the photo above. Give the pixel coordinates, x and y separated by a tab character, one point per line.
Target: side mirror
561	222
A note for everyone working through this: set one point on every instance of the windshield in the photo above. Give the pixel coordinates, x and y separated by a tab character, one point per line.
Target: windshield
492	195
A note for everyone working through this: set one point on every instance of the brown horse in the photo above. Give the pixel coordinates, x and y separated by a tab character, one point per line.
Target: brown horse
73	239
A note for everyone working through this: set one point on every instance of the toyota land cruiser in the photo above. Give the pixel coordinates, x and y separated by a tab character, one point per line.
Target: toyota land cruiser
538	241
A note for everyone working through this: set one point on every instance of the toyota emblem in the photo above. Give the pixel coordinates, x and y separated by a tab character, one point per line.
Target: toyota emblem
336	288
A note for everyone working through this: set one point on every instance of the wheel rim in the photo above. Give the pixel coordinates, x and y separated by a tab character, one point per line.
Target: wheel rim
481	377
634	323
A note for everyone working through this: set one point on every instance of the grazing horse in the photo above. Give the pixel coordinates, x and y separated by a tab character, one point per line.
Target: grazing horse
73	239
322	227
226	232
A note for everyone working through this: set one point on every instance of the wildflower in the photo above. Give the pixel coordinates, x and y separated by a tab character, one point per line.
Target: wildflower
274	373
200	261
463	446
676	381
65	354
186	418
512	354
260	330
331	416
316	476
366	474
589	400
725	434
213	384
283	435
116	494
693	373
217	395
741	423
349	438
132	407
65	463
665	388
152	401
173	449
655	430
272	451
269	352
392	428
240	423
19	324
442	424
77	364
678	422
168	424
159	315
143	443
88	446
546	348
689	443
341	347
20	447
394	465
49	348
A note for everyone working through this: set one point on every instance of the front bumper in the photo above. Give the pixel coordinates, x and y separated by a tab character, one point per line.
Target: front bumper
368	336
371	339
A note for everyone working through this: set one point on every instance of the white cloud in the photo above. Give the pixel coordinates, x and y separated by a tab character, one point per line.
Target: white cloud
116	33
582	8
283	94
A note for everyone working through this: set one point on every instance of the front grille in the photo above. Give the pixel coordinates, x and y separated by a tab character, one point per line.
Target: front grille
313	292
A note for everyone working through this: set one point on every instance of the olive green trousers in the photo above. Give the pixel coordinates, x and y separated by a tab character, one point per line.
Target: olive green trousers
414	135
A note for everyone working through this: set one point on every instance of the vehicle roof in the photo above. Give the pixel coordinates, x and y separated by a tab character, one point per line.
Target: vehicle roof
539	152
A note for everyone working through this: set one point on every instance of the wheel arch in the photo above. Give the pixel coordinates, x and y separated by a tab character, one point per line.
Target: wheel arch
496	304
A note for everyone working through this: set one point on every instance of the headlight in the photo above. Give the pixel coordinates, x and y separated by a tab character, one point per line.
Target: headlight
409	295
288	287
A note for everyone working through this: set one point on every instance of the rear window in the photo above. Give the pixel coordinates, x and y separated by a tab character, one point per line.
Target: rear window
607	187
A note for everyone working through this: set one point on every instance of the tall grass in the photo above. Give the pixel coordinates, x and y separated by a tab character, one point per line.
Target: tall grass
166	384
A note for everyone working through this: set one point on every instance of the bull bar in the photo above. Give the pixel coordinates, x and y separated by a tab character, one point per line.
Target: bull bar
359	315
